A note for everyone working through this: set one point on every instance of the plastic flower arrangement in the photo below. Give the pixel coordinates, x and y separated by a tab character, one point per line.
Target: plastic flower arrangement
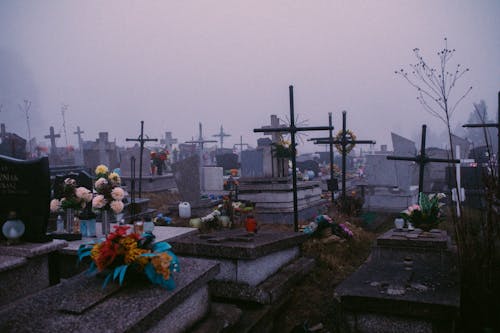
282	149
427	214
68	195
109	194
122	252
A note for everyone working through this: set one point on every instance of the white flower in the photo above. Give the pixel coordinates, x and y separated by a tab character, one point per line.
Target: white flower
100	183
116	206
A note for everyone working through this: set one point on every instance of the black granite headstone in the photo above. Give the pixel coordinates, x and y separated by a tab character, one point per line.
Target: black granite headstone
25	189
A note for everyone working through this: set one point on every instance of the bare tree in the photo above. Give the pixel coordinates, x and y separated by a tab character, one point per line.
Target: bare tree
435	85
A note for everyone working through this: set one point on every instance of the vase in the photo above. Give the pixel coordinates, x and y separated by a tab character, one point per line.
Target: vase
250	224
105	223
69	221
426	226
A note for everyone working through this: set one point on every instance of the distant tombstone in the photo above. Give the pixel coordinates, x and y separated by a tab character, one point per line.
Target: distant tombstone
187	178
227	161
309	165
435	173
213	179
252	165
134	151
379	171
25	189
13	145
406	172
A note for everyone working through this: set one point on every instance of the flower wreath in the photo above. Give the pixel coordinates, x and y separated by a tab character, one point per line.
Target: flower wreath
349	136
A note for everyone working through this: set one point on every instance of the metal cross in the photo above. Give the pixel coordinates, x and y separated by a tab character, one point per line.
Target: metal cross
344	141
241	144
422	159
292	129
497	125
52	136
221	136
141	141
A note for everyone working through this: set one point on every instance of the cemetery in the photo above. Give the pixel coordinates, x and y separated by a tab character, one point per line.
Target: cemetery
267	223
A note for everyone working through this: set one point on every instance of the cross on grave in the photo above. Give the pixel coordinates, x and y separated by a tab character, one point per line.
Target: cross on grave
141	141
169	141
343	142
292	129
330	142
79	133
221	136
275	123
241	144
52	136
497	125
200	142
422	159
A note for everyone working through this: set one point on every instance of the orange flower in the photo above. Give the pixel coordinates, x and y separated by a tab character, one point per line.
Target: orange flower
161	264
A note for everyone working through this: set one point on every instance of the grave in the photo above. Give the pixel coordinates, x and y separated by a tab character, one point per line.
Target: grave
101	151
80	304
264	181
256	269
390	186
409	283
67	257
11	144
213	179
25	189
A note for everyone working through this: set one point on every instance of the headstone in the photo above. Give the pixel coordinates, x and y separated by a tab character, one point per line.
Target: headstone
227	161
406	171
252	162
125	165
101	151
187	178
25	189
213	178
13	145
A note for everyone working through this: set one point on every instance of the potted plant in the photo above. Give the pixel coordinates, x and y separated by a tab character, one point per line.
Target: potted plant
427	214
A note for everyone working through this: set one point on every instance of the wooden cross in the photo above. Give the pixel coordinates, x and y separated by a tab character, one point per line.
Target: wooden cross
344	142
497	125
221	136
292	129
141	141
52	136
241	144
422	159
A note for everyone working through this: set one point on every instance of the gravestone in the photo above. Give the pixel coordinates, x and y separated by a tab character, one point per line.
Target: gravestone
134	151
12	145
213	179
391	185
101	151
227	161
252	162
25	189
187	178
409	283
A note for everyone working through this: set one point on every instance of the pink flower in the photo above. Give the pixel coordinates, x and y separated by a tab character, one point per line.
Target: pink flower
116	206
100	183
99	201
55	205
70	181
118	193
84	194
413	207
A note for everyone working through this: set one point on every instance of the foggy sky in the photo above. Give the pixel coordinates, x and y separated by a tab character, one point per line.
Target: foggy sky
175	63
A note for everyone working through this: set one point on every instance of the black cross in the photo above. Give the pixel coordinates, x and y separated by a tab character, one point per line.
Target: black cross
141	140
292	129
422	159
497	125
221	136
241	144
52	136
344	142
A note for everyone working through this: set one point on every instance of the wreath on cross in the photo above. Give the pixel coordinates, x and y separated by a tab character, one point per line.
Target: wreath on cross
350	137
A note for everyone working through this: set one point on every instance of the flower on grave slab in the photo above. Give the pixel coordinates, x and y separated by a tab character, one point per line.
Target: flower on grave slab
109	194
427	214
68	196
123	253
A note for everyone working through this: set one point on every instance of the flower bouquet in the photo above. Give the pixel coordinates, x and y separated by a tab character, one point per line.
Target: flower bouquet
109	194
427	214
122	253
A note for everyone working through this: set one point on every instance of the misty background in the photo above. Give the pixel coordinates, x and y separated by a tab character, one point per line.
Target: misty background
176	63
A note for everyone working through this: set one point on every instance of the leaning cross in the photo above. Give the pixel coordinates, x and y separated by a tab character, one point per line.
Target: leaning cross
221	136
497	125
343	142
141	141
422	159
292	129
52	136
